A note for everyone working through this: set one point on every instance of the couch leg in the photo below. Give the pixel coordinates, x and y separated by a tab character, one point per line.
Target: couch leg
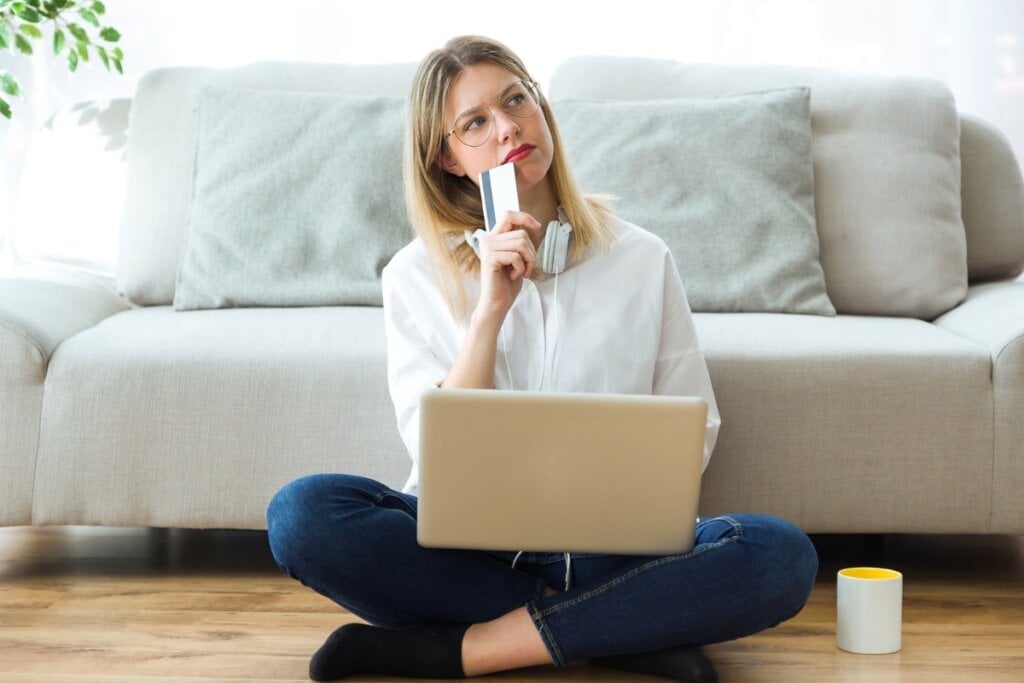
874	547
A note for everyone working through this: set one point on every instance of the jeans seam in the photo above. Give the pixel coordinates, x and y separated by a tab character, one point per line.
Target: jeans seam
546	635
605	587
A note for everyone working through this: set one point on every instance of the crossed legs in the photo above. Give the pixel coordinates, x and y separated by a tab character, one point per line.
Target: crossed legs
354	540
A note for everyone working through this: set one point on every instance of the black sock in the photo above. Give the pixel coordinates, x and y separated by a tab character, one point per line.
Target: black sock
683	663
428	651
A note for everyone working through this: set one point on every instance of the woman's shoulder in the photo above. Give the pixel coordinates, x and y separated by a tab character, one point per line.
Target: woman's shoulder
633	238
411	261
413	272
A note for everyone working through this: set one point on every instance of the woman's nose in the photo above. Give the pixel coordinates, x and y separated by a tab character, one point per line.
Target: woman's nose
505	126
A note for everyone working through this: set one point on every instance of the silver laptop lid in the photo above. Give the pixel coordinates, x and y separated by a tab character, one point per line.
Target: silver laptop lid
555	472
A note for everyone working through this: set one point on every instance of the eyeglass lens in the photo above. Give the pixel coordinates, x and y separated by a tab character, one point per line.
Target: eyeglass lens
475	126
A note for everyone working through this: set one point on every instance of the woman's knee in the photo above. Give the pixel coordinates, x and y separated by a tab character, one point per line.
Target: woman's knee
787	557
300	511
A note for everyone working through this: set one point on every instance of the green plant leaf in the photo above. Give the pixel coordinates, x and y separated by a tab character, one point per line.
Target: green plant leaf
98	7
101	51
90	17
27	13
31	31
83	51
5	39
78	32
117	65
117	54
9	84
5	108
58	41
23	45
110	34
72	60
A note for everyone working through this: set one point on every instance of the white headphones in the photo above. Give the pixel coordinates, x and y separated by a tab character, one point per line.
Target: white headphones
554	248
553	256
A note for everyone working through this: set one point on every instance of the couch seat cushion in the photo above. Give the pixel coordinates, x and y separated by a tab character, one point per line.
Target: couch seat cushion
809	404
158	418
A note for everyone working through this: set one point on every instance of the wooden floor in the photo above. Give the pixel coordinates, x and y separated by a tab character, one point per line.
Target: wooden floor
101	605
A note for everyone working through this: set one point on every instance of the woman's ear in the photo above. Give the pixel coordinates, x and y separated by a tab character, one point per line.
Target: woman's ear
446	160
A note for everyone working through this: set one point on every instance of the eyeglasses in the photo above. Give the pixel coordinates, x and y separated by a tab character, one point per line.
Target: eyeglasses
474	127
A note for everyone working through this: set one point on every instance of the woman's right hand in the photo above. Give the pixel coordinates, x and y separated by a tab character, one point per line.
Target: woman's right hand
507	257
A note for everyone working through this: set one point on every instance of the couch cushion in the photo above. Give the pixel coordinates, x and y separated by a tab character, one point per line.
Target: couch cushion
810	404
887	171
734	202
297	199
161	149
163	418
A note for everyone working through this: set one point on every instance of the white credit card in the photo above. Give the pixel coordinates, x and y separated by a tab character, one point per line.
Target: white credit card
498	193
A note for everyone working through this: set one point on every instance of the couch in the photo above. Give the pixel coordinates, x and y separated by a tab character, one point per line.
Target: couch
895	403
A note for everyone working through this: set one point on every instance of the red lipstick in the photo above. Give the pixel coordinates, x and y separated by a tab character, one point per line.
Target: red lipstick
519	153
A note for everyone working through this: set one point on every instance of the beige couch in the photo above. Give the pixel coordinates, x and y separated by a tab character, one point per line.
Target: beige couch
903	413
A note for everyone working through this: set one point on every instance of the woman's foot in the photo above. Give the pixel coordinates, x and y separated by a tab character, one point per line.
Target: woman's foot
683	663
428	651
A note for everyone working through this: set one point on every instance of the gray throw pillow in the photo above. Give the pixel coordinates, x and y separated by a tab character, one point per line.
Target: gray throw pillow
297	199
728	183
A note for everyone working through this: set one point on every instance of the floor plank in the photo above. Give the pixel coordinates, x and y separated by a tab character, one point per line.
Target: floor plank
112	605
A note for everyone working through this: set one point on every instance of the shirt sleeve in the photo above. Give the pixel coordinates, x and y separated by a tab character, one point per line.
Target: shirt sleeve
680	369
413	367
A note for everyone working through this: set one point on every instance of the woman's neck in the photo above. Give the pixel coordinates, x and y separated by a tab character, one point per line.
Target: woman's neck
542	204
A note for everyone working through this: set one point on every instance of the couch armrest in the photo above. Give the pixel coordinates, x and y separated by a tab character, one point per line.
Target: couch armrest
993	315
44	308
38	311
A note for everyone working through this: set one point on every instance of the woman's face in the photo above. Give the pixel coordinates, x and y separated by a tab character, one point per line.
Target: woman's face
526	141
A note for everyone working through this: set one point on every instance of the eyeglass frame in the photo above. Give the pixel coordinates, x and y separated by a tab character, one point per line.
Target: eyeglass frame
531	88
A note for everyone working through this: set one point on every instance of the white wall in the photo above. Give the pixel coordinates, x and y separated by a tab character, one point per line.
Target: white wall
976	46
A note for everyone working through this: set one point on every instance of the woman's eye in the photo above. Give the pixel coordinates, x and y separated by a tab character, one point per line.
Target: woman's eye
474	122
515	101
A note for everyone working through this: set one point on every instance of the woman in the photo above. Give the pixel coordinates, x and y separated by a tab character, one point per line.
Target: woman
467	309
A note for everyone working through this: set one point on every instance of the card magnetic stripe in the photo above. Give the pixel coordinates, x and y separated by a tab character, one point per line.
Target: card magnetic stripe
485	185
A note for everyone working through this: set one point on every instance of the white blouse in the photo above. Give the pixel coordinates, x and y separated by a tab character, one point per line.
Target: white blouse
621	325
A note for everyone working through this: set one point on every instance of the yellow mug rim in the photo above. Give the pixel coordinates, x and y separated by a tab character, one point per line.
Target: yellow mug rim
870	573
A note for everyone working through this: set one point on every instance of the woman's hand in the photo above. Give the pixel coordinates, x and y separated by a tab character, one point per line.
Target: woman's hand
507	256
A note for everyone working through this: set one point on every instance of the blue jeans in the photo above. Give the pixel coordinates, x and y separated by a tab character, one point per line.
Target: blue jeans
353	540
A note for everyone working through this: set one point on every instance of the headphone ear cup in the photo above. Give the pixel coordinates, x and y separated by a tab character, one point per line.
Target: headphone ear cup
554	254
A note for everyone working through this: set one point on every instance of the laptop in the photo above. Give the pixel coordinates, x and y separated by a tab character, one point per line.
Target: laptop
559	472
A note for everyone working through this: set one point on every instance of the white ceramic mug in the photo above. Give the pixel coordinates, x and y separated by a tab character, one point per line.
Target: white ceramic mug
869	610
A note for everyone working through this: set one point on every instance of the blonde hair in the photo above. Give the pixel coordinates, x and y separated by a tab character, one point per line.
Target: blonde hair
442	206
